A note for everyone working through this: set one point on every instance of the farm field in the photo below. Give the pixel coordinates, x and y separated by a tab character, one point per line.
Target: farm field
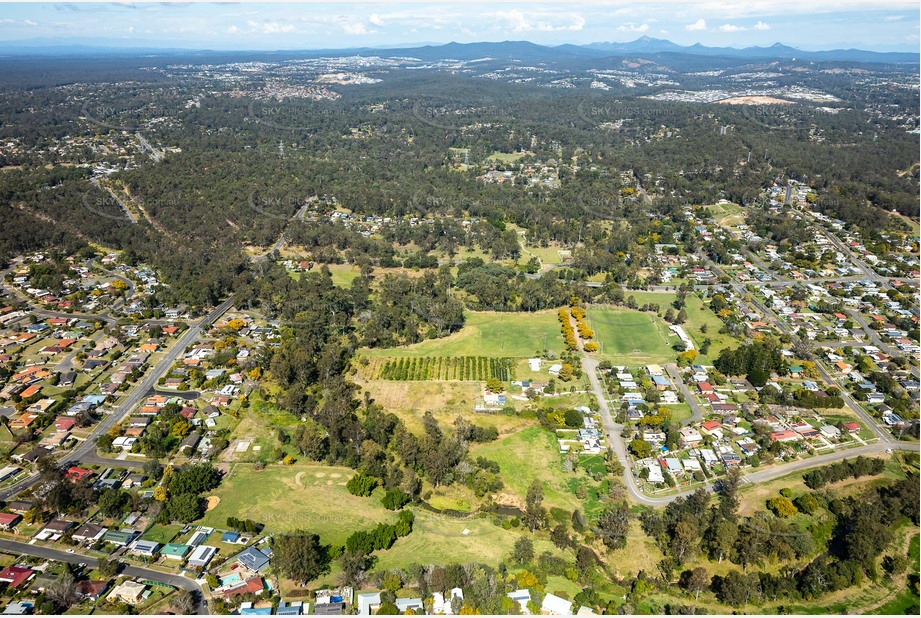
621	331
303	496
478	368
490	333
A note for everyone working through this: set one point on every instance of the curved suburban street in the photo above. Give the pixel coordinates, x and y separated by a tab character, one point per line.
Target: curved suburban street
177	581
617	444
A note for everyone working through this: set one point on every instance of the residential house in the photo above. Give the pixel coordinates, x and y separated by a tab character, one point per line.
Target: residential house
15	576
120	538
291	608
8	521
144	548
201	556
415	604
522	596
442	604
690	437
130	592
368	603
91	589
253	585
175	551
89	533
556	606
254	559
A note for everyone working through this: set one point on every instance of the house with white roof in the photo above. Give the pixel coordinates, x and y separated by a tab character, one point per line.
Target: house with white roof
556	606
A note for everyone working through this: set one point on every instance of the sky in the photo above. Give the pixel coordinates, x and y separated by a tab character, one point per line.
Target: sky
806	24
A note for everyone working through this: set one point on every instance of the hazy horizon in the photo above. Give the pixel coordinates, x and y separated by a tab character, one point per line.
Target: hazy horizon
253	26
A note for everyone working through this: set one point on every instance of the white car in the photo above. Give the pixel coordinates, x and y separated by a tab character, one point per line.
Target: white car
70	551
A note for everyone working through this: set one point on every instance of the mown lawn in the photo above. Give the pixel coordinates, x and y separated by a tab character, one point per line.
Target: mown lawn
160	533
490	333
629	337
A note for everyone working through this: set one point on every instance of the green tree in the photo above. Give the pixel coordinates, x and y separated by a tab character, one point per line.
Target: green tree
535	514
523	551
361	484
613	524
300	556
640	448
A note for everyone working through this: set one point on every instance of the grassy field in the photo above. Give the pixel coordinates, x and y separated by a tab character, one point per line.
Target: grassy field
534	454
630	337
299	497
699	314
445	400
160	533
726	215
753	497
439	539
546	255
507	157
490	333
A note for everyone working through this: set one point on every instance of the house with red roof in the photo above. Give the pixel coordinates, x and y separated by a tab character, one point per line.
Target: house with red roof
252	585
91	589
852	427
785	435
64	423
704	387
9	520
710	426
76	474
31	391
15	576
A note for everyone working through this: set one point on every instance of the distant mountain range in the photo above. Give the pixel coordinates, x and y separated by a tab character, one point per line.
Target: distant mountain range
649	45
522	51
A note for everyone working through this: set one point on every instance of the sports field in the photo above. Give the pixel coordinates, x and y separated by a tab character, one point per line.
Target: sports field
700	318
727	215
490	333
630	337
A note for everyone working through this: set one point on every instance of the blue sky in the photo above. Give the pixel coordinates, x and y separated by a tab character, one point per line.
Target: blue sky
822	24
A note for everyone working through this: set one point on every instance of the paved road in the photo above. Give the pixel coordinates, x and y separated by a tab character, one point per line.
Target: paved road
62	556
697	414
87	448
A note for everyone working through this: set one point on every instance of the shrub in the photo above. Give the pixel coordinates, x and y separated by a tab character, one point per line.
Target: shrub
782	506
361	484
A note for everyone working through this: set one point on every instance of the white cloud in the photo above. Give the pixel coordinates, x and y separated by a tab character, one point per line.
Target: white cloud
700	24
762	26
894	18
29	22
376	19
518	22
273	27
731	28
633	28
233	30
355	28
